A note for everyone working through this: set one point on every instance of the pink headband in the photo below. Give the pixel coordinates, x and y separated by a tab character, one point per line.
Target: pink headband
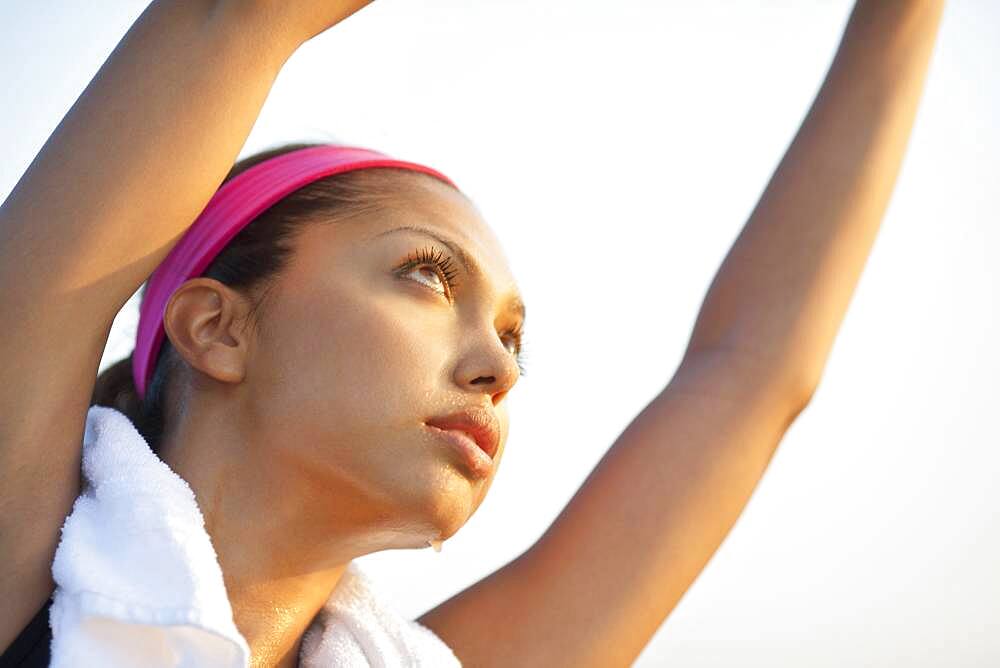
237	203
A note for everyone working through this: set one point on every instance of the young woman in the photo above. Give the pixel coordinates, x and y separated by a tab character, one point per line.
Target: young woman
299	376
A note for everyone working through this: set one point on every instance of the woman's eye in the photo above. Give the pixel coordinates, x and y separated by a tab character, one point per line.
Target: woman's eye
433	268
430	277
517	348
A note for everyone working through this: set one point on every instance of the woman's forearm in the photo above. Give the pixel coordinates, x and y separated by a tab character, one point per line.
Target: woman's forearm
782	292
138	155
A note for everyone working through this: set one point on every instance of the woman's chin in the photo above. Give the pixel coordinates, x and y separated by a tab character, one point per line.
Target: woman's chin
446	506
430	503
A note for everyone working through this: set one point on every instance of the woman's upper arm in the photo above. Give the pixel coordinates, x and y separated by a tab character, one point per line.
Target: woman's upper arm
121	178
599	583
50	352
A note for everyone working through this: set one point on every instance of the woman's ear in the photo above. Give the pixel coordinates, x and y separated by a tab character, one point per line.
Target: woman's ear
206	322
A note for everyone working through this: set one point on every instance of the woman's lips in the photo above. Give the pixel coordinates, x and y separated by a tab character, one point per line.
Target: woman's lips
479	423
476	460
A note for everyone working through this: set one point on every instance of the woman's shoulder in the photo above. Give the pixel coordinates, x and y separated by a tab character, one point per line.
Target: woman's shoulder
31	647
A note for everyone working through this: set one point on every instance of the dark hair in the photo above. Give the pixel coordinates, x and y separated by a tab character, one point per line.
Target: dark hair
251	262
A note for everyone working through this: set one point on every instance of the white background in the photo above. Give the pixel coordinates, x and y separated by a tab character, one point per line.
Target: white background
617	148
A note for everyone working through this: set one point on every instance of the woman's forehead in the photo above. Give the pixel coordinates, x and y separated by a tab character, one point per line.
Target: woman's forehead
431	213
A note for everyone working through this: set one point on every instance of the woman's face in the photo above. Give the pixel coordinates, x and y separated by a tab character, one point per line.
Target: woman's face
372	331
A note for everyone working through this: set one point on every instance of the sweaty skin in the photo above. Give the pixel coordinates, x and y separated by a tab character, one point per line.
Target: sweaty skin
303	438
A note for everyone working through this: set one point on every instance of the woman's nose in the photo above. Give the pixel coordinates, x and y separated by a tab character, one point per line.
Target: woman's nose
489	367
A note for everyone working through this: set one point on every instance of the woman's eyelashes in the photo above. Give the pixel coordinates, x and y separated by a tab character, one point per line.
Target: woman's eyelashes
441	268
517	335
436	271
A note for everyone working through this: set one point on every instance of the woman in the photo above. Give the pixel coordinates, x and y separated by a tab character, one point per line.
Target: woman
284	391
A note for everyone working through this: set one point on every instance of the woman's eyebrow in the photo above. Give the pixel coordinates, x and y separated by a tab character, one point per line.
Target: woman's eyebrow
463	257
514	304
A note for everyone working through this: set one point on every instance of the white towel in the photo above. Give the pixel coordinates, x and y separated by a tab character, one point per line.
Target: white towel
138	582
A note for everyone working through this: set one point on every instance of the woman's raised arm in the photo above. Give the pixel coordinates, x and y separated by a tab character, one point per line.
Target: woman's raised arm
126	171
599	583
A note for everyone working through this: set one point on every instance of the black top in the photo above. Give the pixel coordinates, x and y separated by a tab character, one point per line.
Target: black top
31	647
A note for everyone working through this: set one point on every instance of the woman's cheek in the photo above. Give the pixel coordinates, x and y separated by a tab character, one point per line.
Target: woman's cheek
399	327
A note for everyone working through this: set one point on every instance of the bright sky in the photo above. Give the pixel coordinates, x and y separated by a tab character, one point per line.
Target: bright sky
617	149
